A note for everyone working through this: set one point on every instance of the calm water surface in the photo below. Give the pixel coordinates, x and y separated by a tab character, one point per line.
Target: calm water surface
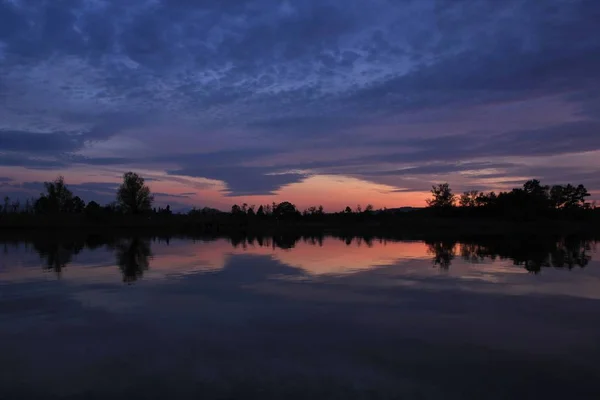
279	318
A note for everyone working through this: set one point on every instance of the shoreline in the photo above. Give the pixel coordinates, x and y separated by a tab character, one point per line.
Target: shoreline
406	226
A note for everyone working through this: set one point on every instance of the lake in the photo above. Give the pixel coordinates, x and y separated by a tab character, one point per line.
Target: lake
299	318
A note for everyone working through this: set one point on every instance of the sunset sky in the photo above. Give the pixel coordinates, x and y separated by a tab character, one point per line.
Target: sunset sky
333	102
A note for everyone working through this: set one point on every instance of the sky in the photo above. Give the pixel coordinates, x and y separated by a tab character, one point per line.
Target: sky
333	102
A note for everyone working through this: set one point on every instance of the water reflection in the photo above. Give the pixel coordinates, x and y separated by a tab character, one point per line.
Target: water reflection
531	254
57	255
208	314
318	254
133	257
443	253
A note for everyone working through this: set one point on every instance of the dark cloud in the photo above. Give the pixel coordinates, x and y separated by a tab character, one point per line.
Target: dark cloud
98	161
32	185
13	160
306	128
444	168
292	74
564	138
549	175
40	143
245	181
223	158
95	186
559	139
230	167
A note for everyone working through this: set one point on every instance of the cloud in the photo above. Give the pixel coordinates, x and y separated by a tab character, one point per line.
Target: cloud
14	160
180	195
245	181
95	186
230	167
260	79
40	143
445	168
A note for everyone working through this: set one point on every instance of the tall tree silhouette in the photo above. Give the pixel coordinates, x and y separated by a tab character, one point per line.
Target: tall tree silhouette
442	196
285	210
57	199
133	195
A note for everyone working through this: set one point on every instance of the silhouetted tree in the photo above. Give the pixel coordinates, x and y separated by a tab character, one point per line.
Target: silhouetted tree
93	209
15	206
29	206
533	187
77	205
269	209
236	210
6	204
57	199
469	199
133	195
538	196
285	210
41	205
486	199
442	196
347	210
568	197
113	208
314	211
260	212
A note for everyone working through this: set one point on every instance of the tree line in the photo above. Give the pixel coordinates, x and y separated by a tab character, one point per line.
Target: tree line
134	197
529	201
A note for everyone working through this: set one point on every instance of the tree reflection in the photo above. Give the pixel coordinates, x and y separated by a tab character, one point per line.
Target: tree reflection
133	258
286	242
57	255
443	253
572	252
531	254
